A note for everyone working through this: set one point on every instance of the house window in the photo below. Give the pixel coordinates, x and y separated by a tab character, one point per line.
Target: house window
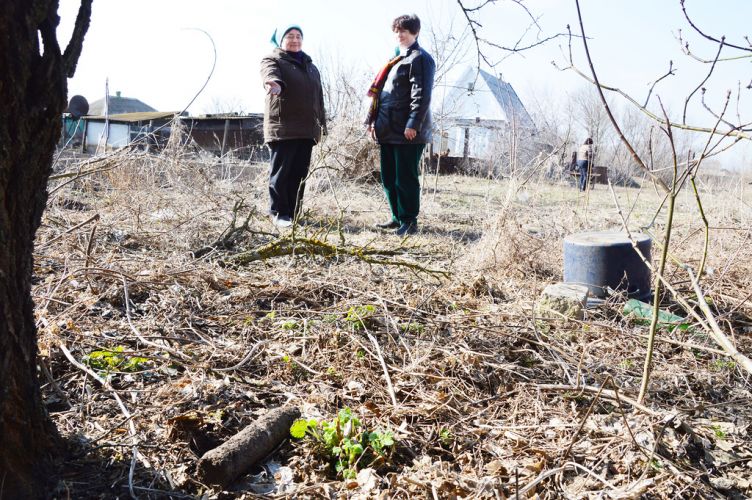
444	144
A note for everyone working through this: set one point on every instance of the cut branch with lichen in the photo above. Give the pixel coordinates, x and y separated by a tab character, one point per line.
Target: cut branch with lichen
287	246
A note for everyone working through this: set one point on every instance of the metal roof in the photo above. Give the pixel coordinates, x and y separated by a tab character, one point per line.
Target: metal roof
135	117
227	116
484	97
118	105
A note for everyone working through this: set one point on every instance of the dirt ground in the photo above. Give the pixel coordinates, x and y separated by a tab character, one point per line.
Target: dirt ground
152	355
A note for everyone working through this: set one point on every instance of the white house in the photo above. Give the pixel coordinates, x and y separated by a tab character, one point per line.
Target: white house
478	114
117	131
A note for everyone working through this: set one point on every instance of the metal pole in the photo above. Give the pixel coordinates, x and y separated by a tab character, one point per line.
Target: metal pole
83	139
224	137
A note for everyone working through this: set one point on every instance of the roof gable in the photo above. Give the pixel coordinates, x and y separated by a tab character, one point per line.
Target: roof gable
119	105
483	97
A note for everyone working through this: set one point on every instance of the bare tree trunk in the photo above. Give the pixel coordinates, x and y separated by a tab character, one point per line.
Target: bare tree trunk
33	90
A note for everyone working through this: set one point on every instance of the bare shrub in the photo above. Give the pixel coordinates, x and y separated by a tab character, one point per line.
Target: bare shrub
346	148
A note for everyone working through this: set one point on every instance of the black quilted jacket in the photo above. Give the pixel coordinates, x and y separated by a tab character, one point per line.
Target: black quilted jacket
405	101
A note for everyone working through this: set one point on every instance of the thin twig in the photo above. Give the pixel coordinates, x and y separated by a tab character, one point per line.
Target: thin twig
129	417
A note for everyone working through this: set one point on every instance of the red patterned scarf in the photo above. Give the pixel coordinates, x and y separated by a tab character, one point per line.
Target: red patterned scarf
377	86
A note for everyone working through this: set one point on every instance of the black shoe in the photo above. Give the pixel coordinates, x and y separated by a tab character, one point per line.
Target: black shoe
407	229
392	224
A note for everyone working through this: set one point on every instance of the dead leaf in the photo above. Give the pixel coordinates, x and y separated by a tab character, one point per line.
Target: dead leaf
495	468
367	480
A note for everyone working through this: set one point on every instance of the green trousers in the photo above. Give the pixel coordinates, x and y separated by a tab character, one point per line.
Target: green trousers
399	176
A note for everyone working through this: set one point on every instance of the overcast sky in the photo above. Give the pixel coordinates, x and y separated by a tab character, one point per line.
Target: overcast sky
156	51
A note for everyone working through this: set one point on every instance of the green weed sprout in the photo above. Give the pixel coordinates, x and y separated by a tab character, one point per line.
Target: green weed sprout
290	324
345	441
357	316
112	360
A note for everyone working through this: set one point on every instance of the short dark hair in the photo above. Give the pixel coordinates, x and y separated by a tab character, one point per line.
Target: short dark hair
588	141
410	23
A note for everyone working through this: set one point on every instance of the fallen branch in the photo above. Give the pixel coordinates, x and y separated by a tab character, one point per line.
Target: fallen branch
715	329
164	346
604	393
383	366
93	218
229	236
549	473
288	246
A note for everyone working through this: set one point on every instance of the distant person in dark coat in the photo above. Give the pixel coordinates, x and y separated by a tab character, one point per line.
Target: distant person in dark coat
400	120
584	162
294	119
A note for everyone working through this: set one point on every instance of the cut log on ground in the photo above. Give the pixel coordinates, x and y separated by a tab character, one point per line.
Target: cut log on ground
242	451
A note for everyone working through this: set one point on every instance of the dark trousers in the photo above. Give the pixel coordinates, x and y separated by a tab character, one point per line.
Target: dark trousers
584	167
399	176
289	167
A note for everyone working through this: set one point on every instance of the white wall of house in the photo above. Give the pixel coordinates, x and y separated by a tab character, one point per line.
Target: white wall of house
482	140
118	136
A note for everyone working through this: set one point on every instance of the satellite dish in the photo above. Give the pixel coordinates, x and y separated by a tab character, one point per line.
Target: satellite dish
78	106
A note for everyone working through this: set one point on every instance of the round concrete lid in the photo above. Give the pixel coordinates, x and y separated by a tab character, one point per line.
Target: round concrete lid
604	238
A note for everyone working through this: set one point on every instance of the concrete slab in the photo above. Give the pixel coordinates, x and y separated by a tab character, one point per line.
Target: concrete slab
566	299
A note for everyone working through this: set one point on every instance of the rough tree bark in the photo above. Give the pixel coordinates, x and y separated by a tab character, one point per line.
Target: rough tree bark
33	93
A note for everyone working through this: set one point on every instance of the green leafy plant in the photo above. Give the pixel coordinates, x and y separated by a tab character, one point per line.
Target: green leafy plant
345	441
719	433
113	360
330	318
290	324
358	316
720	365
626	364
293	368
445	437
413	327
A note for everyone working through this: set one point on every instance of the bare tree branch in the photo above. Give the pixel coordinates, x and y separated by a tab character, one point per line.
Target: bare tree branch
520	48
472	24
479	7
514	49
720	116
712	68
686	15
739	133
671	72
611	117
73	50
685	48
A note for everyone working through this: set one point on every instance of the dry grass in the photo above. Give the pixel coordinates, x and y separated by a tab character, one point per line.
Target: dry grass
490	399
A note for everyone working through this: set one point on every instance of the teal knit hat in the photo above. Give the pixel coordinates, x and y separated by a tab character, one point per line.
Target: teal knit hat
290	27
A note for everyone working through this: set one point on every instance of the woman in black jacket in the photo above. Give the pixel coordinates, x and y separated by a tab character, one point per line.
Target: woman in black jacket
400	120
293	121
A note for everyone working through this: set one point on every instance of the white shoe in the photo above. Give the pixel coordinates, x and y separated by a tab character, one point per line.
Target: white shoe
282	221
